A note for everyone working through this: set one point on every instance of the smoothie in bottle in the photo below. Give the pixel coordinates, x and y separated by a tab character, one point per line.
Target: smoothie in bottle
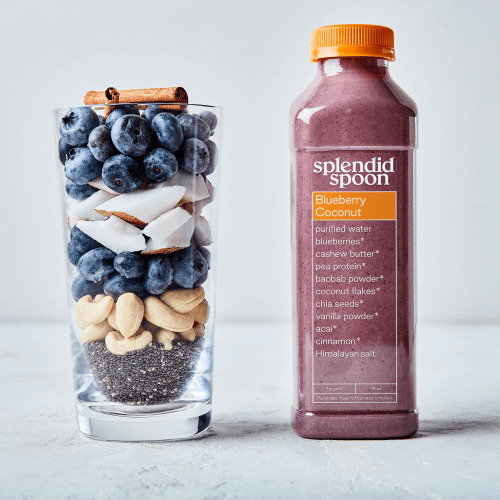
353	138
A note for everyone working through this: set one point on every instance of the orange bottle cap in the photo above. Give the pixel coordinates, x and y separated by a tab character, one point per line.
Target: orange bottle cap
352	40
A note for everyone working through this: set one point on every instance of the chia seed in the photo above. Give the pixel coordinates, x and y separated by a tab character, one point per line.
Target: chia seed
150	376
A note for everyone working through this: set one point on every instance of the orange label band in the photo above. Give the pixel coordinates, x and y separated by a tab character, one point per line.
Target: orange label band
354	205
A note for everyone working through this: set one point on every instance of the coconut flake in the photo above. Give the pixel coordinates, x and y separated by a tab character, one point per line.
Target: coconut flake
98	183
115	234
201	204
194	184
167	224
202	232
145	205
181	238
86	207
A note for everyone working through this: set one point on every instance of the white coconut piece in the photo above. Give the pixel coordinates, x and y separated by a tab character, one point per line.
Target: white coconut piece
115	234
181	238
167	223
198	206
144	206
70	205
194	184
86	207
72	220
98	183
202	232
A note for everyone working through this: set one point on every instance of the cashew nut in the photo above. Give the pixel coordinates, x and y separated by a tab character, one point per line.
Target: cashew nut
112	318
117	344
93	333
162	315
99	297
183	300
139	331
129	314
199	330
189	335
165	337
89	312
201	312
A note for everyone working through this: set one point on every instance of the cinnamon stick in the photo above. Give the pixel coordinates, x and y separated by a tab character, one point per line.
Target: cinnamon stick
110	95
113	96
107	111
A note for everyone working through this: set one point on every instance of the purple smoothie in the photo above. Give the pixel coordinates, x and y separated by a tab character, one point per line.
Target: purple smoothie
353	131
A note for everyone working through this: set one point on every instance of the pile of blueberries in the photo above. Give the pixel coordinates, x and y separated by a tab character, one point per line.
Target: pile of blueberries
125	150
128	147
103	271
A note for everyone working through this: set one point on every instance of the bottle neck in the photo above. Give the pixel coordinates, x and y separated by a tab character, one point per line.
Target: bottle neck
362	66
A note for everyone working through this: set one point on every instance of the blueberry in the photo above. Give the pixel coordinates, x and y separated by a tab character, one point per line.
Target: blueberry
82	242
118	112
102	120
96	264
194	127
82	287
130	265
131	135
64	149
168	130
203	277
100	143
151	111
195	156
79	191
214	156
190	268
159	274
81	166
205	252
160	165
77	124
175	112
122	174
209	118
73	254
116	285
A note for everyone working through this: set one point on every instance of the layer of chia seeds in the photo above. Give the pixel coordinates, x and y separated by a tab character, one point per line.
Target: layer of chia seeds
152	375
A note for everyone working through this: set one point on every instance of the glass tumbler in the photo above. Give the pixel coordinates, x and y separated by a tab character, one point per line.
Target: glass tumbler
140	189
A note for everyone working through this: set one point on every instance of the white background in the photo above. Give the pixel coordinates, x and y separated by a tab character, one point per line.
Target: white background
252	58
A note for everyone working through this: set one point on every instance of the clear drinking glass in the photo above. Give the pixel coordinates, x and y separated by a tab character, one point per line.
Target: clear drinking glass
139	188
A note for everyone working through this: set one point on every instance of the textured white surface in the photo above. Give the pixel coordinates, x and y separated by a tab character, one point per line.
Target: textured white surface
250	450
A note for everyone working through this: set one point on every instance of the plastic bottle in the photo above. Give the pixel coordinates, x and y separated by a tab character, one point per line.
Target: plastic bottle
353	138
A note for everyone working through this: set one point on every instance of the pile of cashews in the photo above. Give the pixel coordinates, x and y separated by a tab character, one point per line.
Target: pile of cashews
131	324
